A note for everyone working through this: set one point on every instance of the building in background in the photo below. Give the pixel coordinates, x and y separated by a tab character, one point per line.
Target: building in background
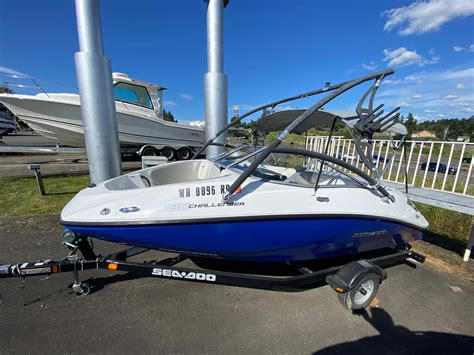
424	134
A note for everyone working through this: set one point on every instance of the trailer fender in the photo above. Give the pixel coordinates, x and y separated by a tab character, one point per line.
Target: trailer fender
349	275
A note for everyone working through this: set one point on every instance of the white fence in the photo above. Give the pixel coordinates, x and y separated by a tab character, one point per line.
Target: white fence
441	166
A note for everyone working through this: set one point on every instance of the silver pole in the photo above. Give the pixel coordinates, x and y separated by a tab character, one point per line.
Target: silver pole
215	81
94	78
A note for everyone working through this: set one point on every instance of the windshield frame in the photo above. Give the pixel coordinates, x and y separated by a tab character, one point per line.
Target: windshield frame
360	179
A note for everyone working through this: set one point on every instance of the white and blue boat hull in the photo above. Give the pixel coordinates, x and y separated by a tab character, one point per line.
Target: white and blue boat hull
264	240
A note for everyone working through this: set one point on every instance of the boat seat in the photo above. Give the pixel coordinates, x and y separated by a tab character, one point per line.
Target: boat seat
179	172
127	182
171	173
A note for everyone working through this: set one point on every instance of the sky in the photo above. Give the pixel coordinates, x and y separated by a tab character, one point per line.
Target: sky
273	49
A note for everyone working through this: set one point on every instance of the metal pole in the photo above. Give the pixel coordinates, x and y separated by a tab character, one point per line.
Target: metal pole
470	242
94	78
215	81
39	179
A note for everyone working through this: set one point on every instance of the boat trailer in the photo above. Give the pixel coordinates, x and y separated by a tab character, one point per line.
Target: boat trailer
356	282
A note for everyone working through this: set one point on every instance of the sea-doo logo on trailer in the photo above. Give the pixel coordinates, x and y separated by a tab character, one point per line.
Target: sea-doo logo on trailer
201	276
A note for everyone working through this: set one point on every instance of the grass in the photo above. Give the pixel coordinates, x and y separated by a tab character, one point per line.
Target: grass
21	197
446	223
448	229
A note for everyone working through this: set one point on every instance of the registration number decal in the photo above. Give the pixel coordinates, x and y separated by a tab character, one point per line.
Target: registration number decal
206	190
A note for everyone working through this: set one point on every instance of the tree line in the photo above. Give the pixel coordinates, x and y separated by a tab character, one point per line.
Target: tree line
445	129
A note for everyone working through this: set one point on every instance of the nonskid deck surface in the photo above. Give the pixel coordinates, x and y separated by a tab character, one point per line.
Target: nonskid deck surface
279	240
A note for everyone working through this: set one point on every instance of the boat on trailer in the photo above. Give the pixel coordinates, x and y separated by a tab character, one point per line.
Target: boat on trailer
254	203
257	203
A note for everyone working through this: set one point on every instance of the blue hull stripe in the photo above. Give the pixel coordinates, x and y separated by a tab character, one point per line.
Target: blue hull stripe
263	240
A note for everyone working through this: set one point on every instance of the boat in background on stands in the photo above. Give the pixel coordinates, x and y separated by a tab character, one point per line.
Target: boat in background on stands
139	107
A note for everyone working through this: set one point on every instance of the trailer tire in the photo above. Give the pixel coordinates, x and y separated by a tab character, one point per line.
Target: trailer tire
184	153
168	152
149	152
362	294
82	289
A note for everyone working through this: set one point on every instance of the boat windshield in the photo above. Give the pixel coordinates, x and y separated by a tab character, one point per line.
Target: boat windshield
132	94
294	169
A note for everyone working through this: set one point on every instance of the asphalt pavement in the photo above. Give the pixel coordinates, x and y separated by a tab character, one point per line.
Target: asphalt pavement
16	165
54	164
421	310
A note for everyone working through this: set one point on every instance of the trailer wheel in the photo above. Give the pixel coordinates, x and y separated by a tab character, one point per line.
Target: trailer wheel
362	294
81	289
149	152
168	153
184	153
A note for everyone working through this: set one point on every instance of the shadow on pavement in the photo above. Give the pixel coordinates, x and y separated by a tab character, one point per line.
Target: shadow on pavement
396	339
98	283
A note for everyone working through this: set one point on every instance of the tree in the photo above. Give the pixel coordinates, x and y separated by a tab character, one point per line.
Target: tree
410	124
168	116
445	132
236	124
4	89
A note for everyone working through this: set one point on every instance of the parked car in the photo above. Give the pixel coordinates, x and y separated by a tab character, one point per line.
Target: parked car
441	168
347	157
467	160
380	158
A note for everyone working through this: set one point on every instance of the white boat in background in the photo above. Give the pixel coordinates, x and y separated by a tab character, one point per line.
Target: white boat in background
139	107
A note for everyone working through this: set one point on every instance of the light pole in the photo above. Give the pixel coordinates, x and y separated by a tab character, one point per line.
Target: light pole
215	80
94	78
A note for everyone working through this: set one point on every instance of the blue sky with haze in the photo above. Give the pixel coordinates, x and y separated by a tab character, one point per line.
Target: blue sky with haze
273	49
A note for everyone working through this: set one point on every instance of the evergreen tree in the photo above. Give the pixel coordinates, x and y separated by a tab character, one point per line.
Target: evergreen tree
168	116
410	124
236	124
4	89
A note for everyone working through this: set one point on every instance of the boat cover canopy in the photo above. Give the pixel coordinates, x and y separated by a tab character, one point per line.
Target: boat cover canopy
278	121
321	120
